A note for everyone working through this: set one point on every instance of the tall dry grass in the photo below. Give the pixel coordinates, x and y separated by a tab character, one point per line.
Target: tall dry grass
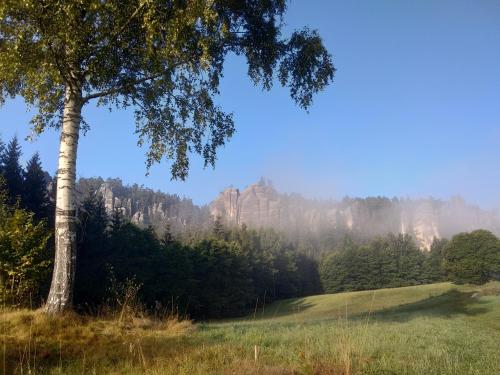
33	342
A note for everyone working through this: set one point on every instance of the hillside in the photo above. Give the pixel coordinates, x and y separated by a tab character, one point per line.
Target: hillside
441	298
428	329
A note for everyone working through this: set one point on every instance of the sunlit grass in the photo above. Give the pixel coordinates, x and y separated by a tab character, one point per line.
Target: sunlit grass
430	329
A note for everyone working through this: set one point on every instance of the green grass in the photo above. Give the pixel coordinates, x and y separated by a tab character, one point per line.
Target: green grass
429	329
331	306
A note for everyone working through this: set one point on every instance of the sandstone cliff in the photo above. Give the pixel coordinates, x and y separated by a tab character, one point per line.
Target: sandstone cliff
146	207
259	205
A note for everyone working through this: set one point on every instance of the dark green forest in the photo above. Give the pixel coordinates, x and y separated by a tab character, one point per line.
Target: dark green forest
210	271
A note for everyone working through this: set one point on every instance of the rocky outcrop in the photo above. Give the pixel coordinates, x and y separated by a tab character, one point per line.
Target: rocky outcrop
260	205
145	207
420	220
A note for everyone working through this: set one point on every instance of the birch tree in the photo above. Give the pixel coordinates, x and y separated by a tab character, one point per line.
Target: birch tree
162	58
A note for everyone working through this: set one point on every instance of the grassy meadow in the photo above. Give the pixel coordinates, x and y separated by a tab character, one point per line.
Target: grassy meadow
429	329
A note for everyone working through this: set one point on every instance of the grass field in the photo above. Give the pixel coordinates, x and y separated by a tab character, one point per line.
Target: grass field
429	329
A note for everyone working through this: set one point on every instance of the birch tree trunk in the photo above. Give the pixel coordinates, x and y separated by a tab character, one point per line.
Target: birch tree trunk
61	289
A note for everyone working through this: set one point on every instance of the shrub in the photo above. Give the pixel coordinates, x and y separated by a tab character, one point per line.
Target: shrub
24	256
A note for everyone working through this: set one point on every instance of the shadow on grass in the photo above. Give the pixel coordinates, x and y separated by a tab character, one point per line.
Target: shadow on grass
285	308
446	305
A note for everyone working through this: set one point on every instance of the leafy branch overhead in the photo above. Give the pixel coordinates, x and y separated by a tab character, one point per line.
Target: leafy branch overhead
164	58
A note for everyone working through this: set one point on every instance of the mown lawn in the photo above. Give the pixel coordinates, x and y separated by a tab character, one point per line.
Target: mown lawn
429	329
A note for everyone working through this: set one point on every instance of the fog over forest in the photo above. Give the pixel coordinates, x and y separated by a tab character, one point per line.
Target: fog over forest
262	205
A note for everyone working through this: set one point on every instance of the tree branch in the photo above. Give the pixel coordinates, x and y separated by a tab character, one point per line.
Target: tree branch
117	89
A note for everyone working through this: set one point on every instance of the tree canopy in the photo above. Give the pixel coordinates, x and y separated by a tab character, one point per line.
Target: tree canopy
164	58
473	257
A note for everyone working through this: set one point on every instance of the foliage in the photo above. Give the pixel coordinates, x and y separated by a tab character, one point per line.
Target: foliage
224	284
210	272
164	58
393	261
473	257
218	228
25	186
24	256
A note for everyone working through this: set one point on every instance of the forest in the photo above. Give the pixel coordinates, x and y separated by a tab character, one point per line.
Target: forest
206	273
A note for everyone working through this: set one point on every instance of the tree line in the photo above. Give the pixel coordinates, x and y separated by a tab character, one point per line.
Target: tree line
220	273
385	262
395	260
206	273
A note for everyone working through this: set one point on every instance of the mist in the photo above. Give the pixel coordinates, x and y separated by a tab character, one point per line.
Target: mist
264	204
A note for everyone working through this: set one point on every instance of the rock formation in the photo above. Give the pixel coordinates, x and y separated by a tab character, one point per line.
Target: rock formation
259	205
145	207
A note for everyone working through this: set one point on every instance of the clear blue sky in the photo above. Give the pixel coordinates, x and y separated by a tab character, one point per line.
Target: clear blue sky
414	111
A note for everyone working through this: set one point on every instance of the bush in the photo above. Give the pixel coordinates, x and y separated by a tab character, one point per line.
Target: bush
24	257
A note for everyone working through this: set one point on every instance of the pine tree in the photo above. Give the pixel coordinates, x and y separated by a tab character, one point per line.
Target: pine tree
433	266
218	228
93	247
11	170
116	221
167	237
35	197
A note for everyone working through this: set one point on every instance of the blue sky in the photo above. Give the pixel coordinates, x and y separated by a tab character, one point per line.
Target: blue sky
414	111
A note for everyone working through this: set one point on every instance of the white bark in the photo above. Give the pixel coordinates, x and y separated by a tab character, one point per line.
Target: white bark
61	289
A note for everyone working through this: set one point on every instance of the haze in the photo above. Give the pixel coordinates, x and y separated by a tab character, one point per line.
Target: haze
414	111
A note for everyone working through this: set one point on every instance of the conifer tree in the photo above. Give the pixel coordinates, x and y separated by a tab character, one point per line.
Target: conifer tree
35	197
12	170
116	221
218	228
93	247
167	237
